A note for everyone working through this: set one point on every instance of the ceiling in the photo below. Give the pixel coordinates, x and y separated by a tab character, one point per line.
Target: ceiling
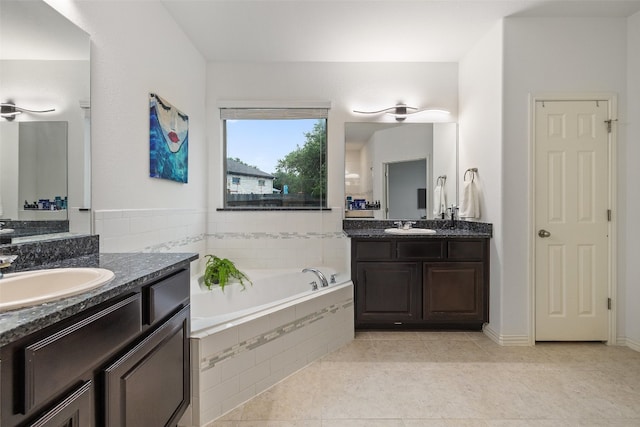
360	30
34	30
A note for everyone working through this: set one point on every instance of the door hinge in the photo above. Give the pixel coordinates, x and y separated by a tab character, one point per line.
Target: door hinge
609	215
609	303
609	122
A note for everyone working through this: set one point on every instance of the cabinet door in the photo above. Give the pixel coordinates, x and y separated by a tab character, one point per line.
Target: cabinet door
387	292
454	292
74	411
149	385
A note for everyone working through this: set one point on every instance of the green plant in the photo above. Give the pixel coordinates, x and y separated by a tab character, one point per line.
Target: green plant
218	271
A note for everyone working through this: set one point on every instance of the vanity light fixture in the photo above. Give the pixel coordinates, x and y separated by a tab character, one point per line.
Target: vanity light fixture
401	111
9	111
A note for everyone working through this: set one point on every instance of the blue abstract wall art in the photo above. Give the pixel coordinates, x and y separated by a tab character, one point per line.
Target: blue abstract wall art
168	141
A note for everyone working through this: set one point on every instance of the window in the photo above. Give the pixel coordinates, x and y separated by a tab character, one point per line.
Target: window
275	158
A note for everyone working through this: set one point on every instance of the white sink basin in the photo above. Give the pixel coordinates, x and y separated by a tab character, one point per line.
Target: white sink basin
6	230
409	231
24	289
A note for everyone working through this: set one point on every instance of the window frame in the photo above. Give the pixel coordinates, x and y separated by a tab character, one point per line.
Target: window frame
307	111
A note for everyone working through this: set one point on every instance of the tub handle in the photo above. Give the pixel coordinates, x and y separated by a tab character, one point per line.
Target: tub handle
333	278
314	285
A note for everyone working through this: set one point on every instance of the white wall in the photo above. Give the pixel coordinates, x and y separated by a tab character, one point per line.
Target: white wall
548	55
628	191
308	238
137	48
481	146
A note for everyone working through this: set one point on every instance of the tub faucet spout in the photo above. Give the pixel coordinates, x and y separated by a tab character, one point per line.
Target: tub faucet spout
318	273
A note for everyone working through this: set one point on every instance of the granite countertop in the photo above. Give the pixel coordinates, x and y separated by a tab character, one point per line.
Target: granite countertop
373	233
131	271
366	229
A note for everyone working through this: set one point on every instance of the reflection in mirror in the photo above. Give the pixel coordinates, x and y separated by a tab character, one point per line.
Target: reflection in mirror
44	63
392	170
36	153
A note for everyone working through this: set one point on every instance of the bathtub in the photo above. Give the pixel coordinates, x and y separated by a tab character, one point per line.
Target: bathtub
245	341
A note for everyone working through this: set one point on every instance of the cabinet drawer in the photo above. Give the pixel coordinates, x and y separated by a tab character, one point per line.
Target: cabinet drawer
433	249
166	296
75	410
467	250
374	250
55	362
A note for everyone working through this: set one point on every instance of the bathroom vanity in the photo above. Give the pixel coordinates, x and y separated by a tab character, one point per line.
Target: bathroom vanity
117	355
431	281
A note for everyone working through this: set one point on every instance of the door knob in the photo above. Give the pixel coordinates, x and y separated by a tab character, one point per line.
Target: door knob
544	233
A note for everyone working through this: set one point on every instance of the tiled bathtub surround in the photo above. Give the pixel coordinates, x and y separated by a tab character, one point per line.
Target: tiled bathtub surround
151	230
279	239
233	364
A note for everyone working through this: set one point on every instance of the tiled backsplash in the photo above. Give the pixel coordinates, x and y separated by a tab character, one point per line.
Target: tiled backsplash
251	239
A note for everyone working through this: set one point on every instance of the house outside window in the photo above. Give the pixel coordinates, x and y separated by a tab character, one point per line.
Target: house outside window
275	158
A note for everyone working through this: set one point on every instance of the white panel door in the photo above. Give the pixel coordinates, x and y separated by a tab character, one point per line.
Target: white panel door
571	202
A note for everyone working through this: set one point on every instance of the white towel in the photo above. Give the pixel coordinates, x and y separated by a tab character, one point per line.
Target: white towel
439	201
470	204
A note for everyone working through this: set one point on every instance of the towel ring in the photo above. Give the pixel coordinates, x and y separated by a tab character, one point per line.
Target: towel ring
473	174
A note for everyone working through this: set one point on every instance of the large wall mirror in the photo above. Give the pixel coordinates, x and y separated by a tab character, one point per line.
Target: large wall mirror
45	158
393	170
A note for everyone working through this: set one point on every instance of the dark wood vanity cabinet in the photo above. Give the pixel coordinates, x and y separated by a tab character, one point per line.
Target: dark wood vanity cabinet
123	363
421	282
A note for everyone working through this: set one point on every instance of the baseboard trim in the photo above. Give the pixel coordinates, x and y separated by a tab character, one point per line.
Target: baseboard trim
632	344
505	340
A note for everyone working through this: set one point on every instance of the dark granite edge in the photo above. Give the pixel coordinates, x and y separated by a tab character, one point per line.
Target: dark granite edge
375	229
440	234
36	254
130	270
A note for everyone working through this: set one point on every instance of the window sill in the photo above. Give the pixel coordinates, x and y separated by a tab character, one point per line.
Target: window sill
272	209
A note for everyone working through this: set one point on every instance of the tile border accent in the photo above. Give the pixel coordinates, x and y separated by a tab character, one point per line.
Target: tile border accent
278	235
172	244
209	362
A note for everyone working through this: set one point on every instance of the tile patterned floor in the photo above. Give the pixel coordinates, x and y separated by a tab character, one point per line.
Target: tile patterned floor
438	379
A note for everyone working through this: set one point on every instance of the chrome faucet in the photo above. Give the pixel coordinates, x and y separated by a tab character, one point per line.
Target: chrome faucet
6	261
318	273
408	224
